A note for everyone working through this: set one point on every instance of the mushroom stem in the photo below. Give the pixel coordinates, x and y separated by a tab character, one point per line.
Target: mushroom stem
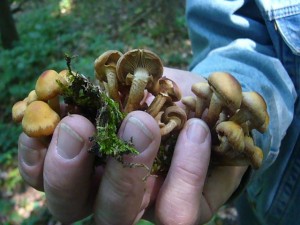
253	152
136	93
112	84
158	102
54	103
174	117
203	93
171	125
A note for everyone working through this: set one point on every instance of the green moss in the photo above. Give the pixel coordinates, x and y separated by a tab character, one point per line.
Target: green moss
93	103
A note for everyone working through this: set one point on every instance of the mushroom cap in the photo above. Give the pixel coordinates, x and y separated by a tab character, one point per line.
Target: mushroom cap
189	102
202	90
175	113
32	96
168	87
136	59
106	60
39	119
254	104
227	89
46	86
231	133
18	111
65	75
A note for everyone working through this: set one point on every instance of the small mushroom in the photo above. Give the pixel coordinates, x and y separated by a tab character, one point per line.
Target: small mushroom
174	118
105	71
32	96
18	111
203	95
254	110
254	153
140	69
227	94
168	92
47	88
190	104
231	137
39	119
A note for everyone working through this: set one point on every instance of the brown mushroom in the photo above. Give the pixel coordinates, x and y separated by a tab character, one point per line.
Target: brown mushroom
46	86
254	153
39	119
254	110
105	71
203	95
227	94
32	96
190	104
174	118
231	137
168	91
18	111
48	89
140	69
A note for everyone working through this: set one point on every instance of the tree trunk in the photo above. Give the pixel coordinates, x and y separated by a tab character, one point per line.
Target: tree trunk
8	31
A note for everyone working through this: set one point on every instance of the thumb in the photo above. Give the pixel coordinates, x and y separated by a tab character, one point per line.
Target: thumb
180	196
121	193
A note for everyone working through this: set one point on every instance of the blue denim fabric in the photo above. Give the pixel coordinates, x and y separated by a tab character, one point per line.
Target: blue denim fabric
258	42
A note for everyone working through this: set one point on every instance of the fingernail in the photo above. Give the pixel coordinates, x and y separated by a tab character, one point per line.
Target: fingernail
30	156
135	131
69	143
197	131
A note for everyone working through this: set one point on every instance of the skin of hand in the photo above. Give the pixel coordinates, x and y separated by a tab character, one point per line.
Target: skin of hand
189	194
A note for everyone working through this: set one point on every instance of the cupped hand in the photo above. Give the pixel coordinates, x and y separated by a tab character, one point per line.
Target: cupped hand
63	168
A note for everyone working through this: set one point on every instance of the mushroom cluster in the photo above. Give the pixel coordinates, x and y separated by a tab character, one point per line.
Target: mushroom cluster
129	77
231	115
126	80
39	112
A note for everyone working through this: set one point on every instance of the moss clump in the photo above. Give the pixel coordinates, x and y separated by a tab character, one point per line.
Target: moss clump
94	104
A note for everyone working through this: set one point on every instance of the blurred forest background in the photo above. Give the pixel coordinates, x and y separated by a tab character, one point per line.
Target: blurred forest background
35	35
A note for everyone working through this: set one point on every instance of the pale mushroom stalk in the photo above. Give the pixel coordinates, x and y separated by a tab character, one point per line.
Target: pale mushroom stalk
203	93
112	84
136	93
140	69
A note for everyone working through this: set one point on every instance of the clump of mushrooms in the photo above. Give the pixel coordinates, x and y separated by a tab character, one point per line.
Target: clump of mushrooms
39	112
128	78
231	115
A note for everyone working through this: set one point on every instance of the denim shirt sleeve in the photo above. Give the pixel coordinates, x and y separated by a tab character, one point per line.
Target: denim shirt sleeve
231	36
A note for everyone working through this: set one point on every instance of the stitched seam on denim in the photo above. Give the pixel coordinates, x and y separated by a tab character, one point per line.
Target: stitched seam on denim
283	12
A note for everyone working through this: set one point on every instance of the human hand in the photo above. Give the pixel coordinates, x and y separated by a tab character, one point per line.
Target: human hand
117	194
193	191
